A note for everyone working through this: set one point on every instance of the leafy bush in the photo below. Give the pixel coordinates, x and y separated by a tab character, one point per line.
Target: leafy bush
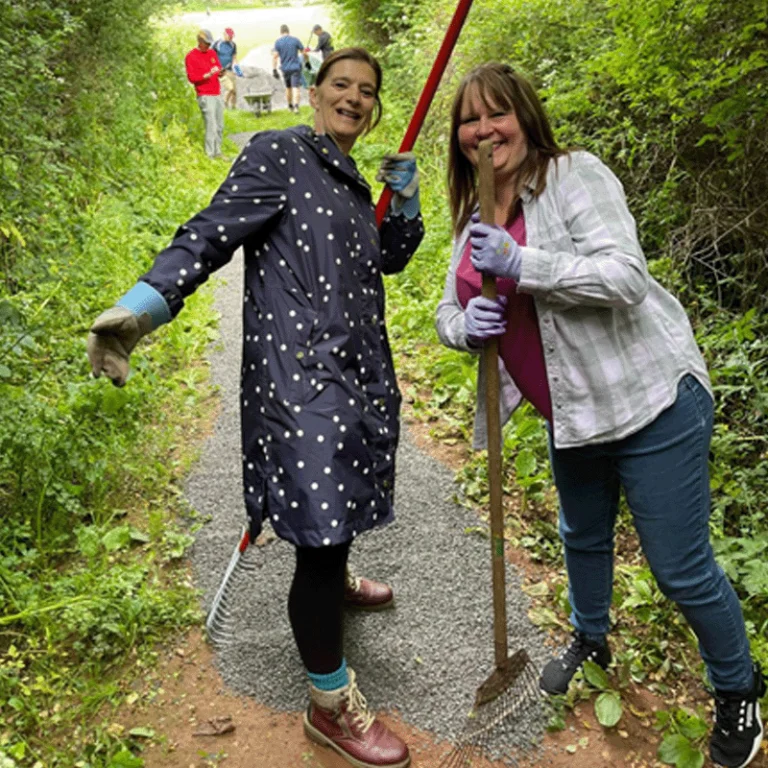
95	180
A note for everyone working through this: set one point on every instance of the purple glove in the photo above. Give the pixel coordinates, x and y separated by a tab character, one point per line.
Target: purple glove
484	318
494	251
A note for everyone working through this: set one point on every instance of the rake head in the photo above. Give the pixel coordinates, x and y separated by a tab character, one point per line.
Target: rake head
219	622
511	690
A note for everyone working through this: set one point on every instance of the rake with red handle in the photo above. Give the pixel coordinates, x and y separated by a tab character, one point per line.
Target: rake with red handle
427	94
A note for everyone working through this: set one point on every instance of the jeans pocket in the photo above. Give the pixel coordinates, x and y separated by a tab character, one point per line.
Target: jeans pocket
699	398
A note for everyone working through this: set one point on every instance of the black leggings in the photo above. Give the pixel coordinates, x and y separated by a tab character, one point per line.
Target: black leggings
315	606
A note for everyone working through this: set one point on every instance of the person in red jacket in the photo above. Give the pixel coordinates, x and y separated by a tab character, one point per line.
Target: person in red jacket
203	71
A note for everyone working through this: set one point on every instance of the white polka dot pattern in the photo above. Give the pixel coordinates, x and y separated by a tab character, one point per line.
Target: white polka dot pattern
319	395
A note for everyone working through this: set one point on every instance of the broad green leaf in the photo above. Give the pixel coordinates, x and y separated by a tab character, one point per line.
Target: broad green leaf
608	709
693	758
140	536
125	759
525	464
673	747
595	675
537	590
693	727
117	538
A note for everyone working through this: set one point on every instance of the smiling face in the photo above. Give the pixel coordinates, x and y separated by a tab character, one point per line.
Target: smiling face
344	101
482	118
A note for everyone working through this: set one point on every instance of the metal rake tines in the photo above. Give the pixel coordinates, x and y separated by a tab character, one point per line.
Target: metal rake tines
219	622
249	560
492	719
221	630
466	756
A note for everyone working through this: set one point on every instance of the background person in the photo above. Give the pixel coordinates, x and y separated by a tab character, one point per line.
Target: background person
320	401
203	69
226	49
608	357
288	54
324	44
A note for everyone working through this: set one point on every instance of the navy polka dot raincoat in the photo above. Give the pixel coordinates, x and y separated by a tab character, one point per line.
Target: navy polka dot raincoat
319	397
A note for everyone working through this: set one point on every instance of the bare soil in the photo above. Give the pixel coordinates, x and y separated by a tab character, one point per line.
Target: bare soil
198	723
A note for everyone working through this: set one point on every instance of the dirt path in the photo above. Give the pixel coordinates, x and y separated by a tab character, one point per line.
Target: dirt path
185	694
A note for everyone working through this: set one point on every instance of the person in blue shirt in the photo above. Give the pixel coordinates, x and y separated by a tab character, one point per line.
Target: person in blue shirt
287	54
226	48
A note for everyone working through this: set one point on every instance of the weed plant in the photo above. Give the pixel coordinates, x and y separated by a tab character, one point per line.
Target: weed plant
106	160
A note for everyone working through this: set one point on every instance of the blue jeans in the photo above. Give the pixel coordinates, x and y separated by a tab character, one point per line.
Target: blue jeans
664	474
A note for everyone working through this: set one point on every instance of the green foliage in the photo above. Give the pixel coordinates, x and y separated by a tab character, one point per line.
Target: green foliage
684	738
96	178
608	706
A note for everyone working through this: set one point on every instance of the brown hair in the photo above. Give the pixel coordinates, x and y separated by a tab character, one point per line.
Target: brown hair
498	85
355	54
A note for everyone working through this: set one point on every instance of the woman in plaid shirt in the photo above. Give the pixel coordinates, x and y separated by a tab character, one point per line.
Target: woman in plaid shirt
608	357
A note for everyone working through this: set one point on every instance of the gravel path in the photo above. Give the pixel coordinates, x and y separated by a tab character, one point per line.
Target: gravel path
426	657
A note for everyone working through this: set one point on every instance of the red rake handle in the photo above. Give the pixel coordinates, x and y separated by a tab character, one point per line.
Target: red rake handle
427	94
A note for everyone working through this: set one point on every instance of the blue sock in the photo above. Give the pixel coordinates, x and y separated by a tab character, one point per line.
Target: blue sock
332	680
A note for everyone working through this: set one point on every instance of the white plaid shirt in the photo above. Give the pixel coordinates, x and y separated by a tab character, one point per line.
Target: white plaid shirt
615	342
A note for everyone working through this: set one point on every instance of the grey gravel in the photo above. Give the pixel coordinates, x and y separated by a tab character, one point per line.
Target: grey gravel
427	656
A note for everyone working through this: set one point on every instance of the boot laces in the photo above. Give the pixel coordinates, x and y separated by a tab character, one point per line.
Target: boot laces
575	652
731	709
357	706
729	713
353	582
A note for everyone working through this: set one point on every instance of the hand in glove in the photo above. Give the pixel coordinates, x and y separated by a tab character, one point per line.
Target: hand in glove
237	70
484	318
399	172
115	332
494	250
275	75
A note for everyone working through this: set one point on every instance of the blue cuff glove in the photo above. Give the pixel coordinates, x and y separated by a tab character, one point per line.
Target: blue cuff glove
484	318
116	332
408	206
236	69
399	172
143	298
494	250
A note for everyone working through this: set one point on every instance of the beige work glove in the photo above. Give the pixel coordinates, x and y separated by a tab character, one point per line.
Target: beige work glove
113	336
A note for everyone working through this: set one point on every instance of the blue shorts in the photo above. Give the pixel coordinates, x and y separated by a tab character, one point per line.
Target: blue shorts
292	79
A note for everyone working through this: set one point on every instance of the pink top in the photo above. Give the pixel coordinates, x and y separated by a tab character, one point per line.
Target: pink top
520	346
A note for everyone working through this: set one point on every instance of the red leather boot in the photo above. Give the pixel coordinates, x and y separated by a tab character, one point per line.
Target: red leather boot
366	594
341	720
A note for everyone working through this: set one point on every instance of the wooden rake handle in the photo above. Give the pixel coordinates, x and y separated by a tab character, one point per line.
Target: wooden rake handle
490	363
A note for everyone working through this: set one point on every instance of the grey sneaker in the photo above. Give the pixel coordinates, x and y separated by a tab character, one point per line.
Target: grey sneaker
738	728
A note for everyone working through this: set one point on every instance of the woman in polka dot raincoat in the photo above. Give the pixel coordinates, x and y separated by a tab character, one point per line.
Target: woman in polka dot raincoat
319	396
